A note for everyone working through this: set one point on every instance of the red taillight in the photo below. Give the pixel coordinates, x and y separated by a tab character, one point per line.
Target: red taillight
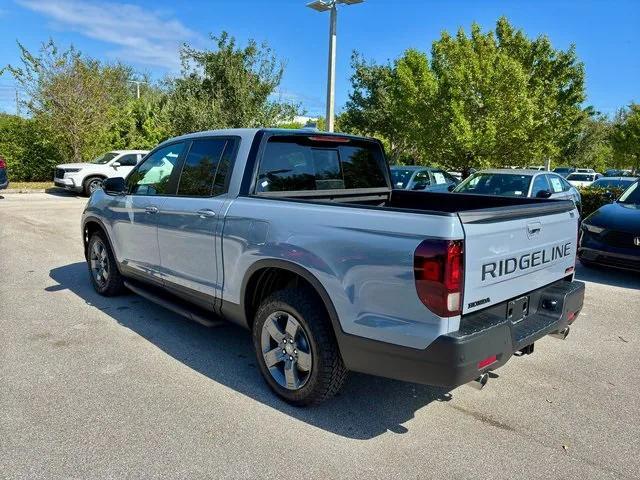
438	272
3	164
330	139
487	361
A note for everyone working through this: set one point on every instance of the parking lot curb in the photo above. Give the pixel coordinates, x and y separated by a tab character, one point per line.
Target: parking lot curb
23	190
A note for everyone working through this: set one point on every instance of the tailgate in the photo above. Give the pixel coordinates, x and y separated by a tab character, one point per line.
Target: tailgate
513	250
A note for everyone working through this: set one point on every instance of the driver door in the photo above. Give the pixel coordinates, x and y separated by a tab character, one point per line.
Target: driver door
136	228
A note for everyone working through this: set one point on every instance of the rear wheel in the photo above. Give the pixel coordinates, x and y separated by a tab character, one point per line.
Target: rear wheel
296	348
92	184
104	272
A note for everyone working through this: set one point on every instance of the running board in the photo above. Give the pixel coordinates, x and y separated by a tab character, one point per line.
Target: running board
181	308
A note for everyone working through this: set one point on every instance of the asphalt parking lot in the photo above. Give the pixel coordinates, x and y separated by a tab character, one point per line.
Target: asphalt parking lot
120	388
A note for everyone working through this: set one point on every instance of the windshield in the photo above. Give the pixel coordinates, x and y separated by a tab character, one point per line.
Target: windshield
496	184
106	158
400	177
631	195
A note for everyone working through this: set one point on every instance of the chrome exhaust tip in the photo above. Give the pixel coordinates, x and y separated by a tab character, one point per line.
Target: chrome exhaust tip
561	334
479	382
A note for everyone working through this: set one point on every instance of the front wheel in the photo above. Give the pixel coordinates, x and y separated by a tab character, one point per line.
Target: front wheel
296	348
92	184
104	272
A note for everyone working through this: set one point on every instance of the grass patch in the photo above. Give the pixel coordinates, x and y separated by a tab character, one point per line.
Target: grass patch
29	185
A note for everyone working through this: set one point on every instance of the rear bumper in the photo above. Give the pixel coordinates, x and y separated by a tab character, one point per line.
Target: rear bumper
452	359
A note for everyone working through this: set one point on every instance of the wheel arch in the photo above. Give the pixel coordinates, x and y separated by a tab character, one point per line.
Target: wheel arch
257	285
89	227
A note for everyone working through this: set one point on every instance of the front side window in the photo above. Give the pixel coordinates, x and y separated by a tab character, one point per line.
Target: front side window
154	174
200	166
540	184
304	163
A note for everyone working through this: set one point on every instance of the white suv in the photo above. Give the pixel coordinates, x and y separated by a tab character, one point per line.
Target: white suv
87	177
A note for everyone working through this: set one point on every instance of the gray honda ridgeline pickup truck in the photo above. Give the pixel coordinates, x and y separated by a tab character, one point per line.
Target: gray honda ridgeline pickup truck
299	237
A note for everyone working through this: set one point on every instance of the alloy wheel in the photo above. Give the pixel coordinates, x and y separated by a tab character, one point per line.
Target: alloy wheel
286	350
99	263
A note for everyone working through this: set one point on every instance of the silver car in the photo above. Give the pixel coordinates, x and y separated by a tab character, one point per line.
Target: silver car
520	183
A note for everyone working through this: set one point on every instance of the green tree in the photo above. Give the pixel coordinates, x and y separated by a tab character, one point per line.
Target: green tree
73	96
484	99
625	137
591	148
227	87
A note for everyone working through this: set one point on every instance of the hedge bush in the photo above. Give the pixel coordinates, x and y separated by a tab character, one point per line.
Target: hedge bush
29	150
593	198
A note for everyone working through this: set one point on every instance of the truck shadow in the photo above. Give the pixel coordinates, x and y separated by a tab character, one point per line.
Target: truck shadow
366	407
608	276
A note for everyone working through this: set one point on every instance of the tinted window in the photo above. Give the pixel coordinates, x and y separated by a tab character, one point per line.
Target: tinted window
223	174
153	175
612	183
130	160
496	184
540	184
295	163
200	166
582	177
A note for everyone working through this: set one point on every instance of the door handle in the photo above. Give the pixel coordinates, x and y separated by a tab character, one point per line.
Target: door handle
206	213
151	209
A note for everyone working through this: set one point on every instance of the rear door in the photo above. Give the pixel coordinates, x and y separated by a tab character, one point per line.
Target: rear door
512	251
189	223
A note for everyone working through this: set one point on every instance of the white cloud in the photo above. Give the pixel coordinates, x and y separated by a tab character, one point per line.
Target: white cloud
144	37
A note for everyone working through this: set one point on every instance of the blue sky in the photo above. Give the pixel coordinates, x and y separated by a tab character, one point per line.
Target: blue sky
146	34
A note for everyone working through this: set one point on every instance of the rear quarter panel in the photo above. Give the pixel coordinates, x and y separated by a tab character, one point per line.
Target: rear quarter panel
362	257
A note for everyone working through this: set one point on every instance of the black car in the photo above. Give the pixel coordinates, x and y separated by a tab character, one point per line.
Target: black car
611	235
4	180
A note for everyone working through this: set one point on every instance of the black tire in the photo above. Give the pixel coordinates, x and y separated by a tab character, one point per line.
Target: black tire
328	372
112	285
86	185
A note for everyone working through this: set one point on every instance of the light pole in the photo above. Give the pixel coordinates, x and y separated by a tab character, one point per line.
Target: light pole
323	6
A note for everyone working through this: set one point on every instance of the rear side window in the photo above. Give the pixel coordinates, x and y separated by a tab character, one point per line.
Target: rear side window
130	160
200	166
302	163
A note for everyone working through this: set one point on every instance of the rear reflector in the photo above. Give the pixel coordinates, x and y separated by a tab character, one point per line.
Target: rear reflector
438	273
486	362
571	316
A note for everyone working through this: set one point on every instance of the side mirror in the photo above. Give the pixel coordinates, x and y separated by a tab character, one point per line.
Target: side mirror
115	165
543	194
114	186
451	187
